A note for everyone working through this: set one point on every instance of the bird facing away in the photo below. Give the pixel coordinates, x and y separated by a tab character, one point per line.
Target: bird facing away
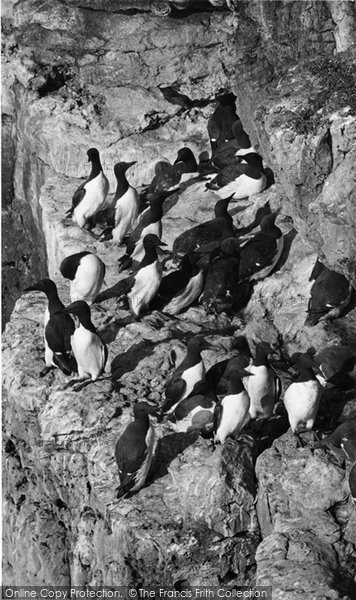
302	397
195	413
86	273
134	450
243	178
90	351
148	276
90	196
187	374
329	295
57	329
179	289
213	230
220	123
260	255
264	387
231	414
126	205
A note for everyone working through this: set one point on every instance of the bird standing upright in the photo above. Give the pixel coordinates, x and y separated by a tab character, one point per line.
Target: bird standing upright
134	450
57	328
91	195
126	205
264	387
302	397
90	351
231	414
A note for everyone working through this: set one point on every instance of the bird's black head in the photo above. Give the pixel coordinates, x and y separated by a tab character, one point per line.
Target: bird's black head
151	240
230	246
93	154
122	167
141	409
264	347
221	206
43	285
268	222
79	308
184	154
241	344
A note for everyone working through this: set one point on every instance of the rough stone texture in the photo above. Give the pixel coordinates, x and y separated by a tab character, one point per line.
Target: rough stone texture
72	73
301	498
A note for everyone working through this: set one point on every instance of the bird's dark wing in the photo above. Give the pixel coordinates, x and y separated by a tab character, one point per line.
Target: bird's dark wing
58	331
131	451
174	390
78	195
62	361
217	417
256	254
120	288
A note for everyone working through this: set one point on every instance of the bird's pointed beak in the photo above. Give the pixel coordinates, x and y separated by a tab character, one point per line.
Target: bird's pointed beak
31	288
130	164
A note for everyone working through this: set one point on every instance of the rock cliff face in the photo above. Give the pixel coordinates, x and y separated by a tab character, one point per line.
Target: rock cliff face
138	81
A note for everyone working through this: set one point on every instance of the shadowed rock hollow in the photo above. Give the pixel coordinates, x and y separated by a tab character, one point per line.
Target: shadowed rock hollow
139	81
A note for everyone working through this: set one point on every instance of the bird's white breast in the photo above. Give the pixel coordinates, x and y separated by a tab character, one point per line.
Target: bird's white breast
88	279
187	296
243	186
95	193
126	211
89	352
147	281
234	415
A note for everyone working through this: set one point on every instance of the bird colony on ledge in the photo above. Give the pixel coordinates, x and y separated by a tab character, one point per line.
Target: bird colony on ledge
214	264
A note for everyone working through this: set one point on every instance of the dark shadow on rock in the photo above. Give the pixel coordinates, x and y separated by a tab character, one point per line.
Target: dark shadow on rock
288	240
265	431
168	448
128	361
111	330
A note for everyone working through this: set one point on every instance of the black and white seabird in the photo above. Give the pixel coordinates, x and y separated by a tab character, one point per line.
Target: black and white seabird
149	223
221	121
195	413
330	294
179	289
302	397
86	272
226	153
334	365
90	197
126	206
134	450
231	414
186	162
344	437
90	351
260	255
264	387
242	179
148	276
57	328
187	374
218	375
206	233
222	280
